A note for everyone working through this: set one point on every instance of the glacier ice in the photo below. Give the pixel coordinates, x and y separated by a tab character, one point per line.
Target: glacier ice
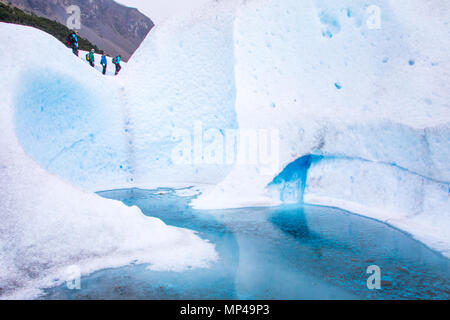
122	133
49	226
347	92
182	75
360	106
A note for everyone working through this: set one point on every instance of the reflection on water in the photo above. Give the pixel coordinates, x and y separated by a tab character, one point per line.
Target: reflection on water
288	252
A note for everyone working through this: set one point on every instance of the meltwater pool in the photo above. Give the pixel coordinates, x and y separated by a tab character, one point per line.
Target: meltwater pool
286	252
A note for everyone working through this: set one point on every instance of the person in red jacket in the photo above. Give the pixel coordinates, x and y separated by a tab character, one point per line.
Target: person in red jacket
72	41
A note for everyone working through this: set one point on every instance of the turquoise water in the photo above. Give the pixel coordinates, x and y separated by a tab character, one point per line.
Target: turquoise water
287	252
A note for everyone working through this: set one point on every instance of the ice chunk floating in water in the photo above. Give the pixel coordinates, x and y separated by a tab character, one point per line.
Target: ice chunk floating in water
288	252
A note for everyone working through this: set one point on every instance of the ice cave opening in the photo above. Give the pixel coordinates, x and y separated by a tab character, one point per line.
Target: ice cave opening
290	184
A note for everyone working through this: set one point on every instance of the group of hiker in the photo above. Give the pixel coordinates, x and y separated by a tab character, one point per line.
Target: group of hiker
72	41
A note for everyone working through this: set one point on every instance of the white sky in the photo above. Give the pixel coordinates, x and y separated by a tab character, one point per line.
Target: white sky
160	10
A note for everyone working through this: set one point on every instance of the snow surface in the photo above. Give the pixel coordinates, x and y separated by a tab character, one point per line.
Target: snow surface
369	106
48	225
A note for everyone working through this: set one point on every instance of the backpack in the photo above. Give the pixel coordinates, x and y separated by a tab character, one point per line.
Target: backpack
114	60
87	56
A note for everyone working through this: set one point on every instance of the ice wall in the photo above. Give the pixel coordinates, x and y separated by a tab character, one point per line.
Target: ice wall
370	98
413	203
72	126
68	117
180	86
326	76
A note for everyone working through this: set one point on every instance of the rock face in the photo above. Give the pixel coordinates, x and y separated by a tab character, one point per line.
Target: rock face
112	27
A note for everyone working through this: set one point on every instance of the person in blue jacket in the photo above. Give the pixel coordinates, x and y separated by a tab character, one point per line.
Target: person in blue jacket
116	61
104	63
72	40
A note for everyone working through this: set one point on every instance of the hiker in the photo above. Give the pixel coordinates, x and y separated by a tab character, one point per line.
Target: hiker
90	58
104	63
72	40
116	61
